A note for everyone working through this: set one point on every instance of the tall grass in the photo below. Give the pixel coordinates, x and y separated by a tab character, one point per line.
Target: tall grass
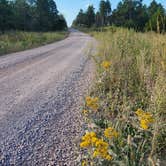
135	81
16	41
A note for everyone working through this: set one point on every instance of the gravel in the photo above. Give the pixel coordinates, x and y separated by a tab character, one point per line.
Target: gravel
41	91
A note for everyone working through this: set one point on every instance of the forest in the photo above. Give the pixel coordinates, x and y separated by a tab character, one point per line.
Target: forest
30	15
129	14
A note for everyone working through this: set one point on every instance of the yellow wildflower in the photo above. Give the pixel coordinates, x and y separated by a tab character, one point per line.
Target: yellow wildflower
89	139
101	150
88	135
84	163
148	116
106	64
85	112
110	133
92	102
139	112
94	140
101	144
144	124
100	147
108	157
84	144
92	134
145	118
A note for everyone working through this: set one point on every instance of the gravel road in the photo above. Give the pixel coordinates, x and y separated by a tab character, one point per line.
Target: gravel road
40	93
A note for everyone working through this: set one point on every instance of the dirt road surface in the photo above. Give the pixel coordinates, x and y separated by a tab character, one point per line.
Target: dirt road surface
40	94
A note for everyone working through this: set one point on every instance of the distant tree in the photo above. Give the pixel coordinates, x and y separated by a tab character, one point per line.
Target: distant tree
108	11
85	19
60	23
52	7
98	20
53	18
6	14
157	17
130	14
103	12
22	15
141	16
43	12
48	17
81	19
122	14
153	7
34	15
90	14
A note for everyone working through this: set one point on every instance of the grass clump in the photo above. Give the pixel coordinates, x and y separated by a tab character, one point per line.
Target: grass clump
17	41
129	99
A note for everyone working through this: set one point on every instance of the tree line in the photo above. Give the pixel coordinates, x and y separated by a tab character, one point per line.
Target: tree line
129	14
30	15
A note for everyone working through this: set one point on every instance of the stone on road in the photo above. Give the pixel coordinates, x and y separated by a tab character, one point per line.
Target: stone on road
40	93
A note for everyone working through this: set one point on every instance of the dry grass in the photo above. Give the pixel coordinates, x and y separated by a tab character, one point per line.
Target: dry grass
135	80
17	41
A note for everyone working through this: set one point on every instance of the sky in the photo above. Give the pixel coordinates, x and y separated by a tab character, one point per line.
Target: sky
70	8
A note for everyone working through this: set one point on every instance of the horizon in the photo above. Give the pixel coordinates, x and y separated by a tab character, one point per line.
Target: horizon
70	10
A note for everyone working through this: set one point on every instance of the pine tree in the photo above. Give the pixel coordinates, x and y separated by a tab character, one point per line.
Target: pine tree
108	9
81	19
6	14
103	12
157	17
90	14
22	15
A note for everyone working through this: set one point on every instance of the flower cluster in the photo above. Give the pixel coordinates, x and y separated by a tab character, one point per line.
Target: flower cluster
100	147
145	118
101	150
92	102
84	163
85	112
88	140
110	133
106	64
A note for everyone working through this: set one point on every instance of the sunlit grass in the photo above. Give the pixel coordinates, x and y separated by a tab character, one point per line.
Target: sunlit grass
16	40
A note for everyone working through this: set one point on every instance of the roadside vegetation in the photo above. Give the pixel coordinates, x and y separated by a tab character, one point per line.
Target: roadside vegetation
19	40
125	110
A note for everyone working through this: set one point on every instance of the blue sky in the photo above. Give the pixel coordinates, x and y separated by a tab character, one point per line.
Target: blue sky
70	8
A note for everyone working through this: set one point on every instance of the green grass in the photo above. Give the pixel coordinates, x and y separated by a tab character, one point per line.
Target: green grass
135	80
17	41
